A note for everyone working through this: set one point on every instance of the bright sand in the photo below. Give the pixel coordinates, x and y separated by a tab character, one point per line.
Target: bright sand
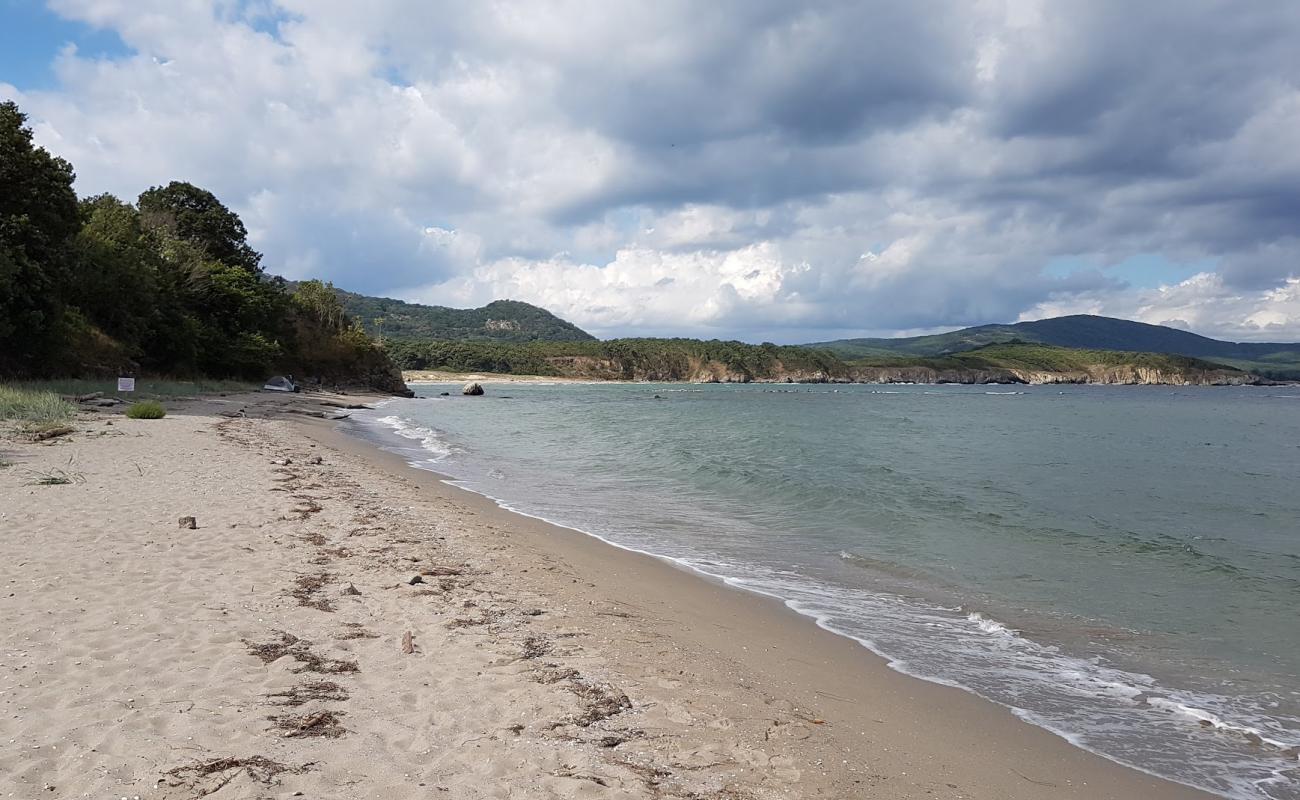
545	663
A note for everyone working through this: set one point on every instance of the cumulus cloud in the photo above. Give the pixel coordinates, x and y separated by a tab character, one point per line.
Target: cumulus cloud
739	168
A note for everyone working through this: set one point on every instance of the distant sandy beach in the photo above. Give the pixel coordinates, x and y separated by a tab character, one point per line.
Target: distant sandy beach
440	376
339	624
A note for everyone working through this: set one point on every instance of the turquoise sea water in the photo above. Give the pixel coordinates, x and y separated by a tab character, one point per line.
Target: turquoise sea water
1120	565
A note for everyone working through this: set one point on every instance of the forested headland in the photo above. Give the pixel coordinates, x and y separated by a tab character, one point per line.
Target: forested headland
166	286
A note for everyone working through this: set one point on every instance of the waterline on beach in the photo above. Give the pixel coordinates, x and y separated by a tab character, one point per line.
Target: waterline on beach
923	622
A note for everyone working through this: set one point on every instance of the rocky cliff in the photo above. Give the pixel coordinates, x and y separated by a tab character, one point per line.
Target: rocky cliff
1099	374
690	370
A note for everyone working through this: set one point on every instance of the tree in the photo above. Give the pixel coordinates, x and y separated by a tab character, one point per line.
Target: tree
171	287
38	217
195	216
116	281
319	302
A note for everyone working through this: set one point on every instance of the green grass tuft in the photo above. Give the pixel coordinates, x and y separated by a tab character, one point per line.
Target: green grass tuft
146	409
34	406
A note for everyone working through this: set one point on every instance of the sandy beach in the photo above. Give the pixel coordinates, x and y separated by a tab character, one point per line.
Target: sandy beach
338	624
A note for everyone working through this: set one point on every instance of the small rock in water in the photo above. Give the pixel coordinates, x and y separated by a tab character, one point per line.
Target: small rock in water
188	522
471	389
444	394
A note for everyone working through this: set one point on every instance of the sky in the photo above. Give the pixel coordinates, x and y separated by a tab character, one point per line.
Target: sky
738	169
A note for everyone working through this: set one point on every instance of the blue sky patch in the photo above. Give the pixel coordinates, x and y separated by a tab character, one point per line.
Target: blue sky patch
31	36
1143	271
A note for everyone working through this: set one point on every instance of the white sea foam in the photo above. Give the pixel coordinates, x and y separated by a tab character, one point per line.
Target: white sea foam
431	441
1209	719
989	625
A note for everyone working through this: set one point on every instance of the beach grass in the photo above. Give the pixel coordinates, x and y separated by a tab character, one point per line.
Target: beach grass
34	408
146	409
55	477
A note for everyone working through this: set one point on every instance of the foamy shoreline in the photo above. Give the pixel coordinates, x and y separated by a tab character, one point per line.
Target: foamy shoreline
545	663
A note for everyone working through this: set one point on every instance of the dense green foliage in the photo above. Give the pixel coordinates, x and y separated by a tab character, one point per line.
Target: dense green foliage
630	359
502	320
146	409
38	218
1280	361
692	359
169	286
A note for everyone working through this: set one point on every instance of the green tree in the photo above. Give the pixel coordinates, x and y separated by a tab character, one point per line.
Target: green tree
320	303
185	212
116	283
38	217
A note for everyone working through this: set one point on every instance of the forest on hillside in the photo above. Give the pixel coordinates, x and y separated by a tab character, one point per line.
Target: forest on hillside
500	320
628	359
169	285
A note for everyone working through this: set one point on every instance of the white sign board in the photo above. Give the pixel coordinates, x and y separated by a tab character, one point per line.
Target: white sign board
126	384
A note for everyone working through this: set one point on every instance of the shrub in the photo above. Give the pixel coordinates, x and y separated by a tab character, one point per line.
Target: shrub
146	409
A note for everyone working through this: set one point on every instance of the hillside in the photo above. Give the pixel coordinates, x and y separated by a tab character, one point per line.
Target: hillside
628	359
1022	362
1275	360
167	285
501	320
693	360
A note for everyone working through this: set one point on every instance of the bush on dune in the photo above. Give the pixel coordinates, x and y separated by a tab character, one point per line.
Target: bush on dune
146	409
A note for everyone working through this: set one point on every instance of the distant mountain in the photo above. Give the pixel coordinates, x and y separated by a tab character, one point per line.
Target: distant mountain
501	320
1275	360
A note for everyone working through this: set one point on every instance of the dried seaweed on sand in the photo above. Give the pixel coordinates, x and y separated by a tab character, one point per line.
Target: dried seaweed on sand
222	771
300	650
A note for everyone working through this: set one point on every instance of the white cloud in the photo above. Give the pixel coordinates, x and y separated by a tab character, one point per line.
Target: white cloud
739	168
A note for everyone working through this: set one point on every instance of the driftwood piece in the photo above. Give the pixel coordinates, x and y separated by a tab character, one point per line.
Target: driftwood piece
408	643
51	433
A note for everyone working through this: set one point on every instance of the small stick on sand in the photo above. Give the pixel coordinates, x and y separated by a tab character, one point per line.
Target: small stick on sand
408	643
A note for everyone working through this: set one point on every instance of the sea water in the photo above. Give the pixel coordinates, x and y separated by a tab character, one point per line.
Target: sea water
1119	565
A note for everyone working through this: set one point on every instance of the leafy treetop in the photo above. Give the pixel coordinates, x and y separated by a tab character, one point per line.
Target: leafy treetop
196	216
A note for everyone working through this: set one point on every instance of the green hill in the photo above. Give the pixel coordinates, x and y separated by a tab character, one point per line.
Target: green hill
626	359
501	320
1030	356
726	361
1275	360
